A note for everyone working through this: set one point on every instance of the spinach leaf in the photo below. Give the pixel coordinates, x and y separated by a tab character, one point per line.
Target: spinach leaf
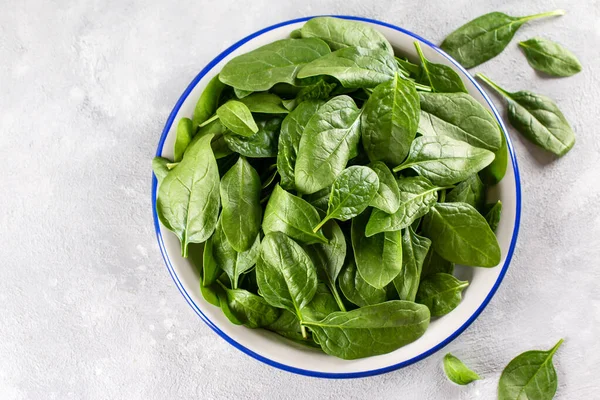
457	371
470	191
434	264
286	276
550	57
329	258
493	173
273	63
461	117
461	235
251	310
378	257
445	161
208	102
232	262
185	133
340	33
485	37
287	325
387	197
322	304
530	375
240	197
371	330
188	197
537	118
441	293
293	216
390	120
160	168
319	90
414	251
210	268
292	129
330	137
441	78
263	144
265	103
493	215
407	68
224	304
351	193
354	67
357	290
236	117
417	196
202	258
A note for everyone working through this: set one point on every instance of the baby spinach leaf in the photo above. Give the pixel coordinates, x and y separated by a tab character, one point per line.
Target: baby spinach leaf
340	33
441	293
273	63
265	103
387	197
329	258
371	330
292	129
461	117
232	262
378	257
322	304
434	264
493	215
550	57
236	117
390	120
224	304
445	161
263	144
461	235
457	371
354	67
530	375
351	193
287	325
493	173
185	133
210	268
293	216
188	198
441	78
210	294
330	137
160	168
208	102
286	276
537	118
242	212
357	290
414	251
470	191
319	90
251	310
407	68
485	37
417	195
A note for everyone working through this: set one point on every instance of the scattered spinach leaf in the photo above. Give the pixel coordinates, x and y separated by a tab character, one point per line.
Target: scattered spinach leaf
550	57
457	371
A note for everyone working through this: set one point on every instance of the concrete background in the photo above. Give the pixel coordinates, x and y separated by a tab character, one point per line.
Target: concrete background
88	310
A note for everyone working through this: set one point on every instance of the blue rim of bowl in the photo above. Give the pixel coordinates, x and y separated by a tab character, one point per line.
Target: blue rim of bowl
306	372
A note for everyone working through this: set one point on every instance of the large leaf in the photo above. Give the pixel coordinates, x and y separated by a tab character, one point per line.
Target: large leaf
414	250
357	290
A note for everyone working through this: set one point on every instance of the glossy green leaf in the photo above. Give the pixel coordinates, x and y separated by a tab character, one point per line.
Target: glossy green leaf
445	161
208	102
160	168
210	267
461	235
485	37
263	144
293	216
265	103
224	304
457	371
441	78
354	67
287	325
461	117
537	118
251	310
493	215
441	293
470	191
322	304
329	139
185	133
390	120
530	375
550	57
357	290
276	62
371	330
378	257
240	198
236	117
188	198
434	264
387	198
414	251
493	173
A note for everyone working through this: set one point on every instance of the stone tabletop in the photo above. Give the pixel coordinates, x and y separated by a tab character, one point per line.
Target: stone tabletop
88	308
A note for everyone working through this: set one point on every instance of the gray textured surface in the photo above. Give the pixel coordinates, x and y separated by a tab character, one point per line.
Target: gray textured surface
88	308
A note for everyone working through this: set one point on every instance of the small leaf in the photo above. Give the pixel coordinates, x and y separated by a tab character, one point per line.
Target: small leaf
185	133
387	198
262	144
265	103
441	78
251	310
550	57
357	290
493	215
441	293
208	102
236	116
414	251
160	168
457	371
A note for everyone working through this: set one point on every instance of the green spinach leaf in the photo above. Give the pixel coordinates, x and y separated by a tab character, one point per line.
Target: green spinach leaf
357	290
322	304
470	191
493	215
160	168
457	371
434	264
209	100
493	173
236	117
414	251
265	103
441	293
387	197
550	57
263	144
240	93
251	310
185	133
441	78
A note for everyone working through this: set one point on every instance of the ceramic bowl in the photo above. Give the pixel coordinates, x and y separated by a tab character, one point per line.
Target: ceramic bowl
281	353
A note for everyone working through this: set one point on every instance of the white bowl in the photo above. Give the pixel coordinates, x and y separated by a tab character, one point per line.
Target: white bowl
281	353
